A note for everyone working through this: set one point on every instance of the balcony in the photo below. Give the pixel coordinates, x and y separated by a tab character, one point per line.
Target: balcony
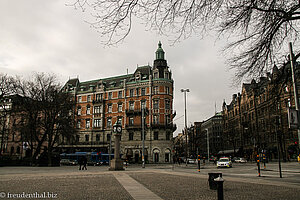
89	143
98	101
136	111
171	126
135	126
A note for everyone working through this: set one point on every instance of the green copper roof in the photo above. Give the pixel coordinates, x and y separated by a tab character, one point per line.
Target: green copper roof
160	54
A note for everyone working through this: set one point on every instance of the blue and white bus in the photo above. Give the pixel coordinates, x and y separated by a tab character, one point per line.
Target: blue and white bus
93	158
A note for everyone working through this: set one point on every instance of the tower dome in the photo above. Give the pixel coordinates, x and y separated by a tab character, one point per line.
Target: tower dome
160	54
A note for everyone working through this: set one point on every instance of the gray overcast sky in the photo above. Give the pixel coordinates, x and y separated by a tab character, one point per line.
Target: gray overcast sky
47	36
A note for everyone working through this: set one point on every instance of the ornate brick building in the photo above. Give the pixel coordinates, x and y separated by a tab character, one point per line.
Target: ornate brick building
257	118
103	102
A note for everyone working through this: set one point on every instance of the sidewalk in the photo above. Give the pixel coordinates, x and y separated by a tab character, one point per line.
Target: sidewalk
152	182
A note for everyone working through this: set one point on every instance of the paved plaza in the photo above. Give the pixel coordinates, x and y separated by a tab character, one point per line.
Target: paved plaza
153	182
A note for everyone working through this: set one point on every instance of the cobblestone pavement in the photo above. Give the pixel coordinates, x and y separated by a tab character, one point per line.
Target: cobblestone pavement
185	187
163	180
68	187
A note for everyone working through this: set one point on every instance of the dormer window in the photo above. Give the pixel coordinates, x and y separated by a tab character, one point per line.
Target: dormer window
112	84
156	75
166	75
92	87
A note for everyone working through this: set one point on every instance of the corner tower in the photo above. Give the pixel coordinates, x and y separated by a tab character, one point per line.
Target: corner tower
160	65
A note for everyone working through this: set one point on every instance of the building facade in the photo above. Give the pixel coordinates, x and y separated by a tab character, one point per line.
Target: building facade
14	143
212	133
256	119
104	102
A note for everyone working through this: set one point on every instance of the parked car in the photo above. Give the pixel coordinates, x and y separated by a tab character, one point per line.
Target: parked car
191	161
224	162
240	160
68	162
234	158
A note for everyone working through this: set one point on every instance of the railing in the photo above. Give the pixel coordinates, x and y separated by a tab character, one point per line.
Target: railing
98	101
136	111
135	126
88	143
166	126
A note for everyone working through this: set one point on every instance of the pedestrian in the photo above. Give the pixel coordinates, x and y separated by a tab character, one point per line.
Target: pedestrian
84	163
80	162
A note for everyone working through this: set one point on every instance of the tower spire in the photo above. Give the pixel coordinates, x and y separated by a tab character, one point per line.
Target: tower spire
160	54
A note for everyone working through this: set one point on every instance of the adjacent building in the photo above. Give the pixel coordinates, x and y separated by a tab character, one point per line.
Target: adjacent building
121	99
256	119
212	133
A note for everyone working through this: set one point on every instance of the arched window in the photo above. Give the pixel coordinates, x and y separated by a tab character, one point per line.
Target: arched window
167	155
156	155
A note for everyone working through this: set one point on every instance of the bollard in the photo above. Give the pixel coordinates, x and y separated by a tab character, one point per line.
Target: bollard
220	182
211	180
198	163
258	164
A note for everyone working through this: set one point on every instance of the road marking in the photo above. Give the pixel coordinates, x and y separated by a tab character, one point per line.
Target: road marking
134	188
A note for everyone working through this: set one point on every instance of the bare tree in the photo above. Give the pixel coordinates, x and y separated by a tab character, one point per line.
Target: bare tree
47	112
258	30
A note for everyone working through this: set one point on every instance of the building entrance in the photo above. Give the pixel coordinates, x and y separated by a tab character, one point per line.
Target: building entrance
136	158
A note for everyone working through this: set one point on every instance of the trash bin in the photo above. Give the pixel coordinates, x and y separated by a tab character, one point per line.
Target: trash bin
212	183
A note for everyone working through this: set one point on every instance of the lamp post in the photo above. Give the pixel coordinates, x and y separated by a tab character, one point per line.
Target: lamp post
143	138
295	90
185	120
207	145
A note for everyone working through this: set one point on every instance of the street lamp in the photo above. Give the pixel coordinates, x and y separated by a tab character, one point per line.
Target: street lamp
185	120
143	137
207	145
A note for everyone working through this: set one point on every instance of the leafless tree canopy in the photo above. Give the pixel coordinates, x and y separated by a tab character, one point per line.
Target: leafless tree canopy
258	30
44	112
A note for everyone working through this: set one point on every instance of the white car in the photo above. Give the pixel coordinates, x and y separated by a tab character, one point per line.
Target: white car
191	161
240	160
224	162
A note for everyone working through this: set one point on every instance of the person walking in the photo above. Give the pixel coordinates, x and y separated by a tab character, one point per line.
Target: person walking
84	163
80	162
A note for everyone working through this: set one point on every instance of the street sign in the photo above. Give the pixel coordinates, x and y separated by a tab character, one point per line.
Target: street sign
293	118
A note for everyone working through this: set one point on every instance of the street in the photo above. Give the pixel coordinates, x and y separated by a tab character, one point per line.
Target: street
161	181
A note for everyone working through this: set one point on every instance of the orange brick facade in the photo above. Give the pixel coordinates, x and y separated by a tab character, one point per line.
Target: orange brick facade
102	103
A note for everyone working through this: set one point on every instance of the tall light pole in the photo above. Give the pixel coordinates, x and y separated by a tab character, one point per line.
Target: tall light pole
143	138
207	145
295	89
185	120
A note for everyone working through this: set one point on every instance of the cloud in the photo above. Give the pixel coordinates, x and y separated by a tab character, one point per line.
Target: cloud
47	36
